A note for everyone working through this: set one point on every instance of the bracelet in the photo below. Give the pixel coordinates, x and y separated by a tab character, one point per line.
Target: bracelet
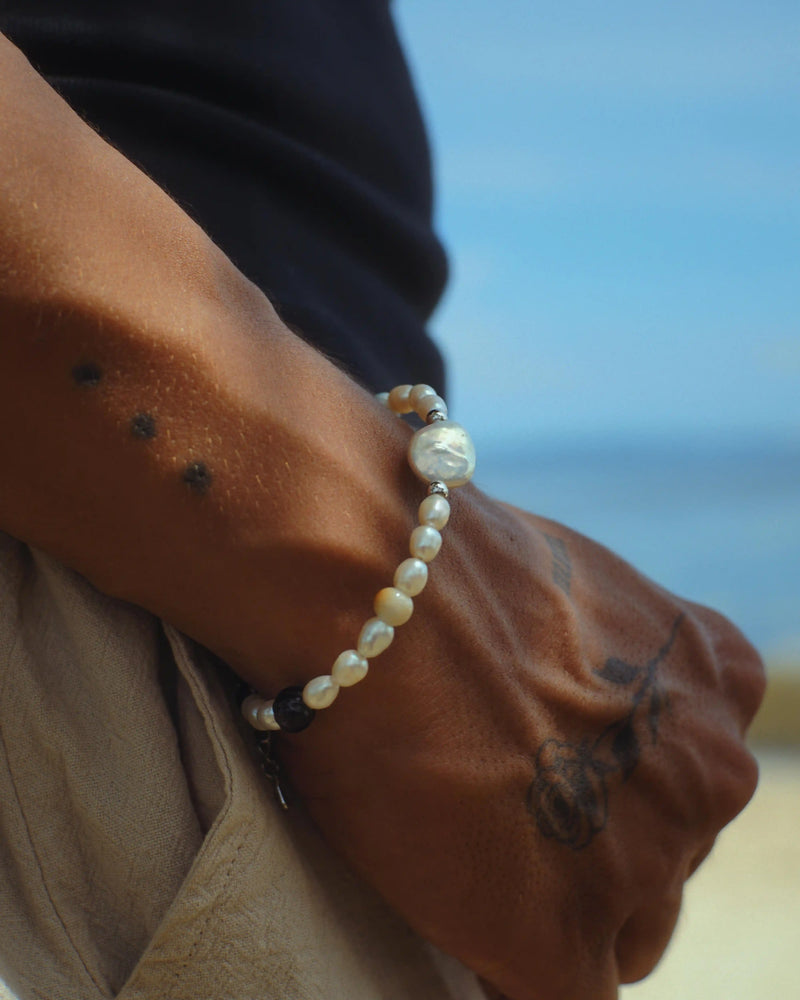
443	456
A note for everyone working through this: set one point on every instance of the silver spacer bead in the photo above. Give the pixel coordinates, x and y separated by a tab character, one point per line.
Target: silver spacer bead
434	415
438	488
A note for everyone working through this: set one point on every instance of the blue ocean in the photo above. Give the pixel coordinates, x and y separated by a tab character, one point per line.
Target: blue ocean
716	523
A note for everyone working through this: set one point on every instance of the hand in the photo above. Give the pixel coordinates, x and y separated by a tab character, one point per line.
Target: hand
535	766
542	758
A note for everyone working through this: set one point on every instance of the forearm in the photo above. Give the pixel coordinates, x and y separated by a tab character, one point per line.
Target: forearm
135	357
169	438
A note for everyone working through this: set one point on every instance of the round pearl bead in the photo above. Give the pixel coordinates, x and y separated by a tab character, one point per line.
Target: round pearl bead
349	668
320	692
383	398
426	401
435	511
250	709
425	543
442	451
393	606
398	399
266	718
374	638
418	391
411	576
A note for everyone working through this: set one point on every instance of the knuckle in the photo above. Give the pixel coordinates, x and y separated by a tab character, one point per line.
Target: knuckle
745	683
724	655
643	938
738	784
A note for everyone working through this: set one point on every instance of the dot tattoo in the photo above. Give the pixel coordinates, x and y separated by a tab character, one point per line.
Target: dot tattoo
197	477
87	374
143	426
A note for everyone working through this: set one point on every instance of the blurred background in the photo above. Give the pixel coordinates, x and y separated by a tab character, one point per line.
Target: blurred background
619	190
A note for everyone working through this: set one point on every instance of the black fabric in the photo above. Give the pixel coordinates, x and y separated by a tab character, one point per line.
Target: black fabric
289	130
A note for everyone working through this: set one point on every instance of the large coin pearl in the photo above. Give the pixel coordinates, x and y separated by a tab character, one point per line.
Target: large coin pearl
444	452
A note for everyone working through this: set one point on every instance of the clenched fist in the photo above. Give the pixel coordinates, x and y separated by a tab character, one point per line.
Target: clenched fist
542	758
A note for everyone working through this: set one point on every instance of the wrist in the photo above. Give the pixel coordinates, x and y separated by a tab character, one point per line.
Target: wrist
442	455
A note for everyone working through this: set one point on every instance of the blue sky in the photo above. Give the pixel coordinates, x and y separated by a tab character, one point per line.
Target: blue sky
619	188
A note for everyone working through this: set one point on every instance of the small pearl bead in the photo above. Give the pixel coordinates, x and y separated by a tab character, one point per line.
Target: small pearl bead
320	692
266	718
250	708
425	543
383	398
393	606
418	391
398	399
258	712
435	511
349	668
426	401
411	576
374	638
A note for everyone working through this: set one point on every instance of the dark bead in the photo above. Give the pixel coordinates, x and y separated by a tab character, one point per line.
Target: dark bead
291	712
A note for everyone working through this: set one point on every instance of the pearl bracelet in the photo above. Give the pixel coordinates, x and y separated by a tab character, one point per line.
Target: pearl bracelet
443	456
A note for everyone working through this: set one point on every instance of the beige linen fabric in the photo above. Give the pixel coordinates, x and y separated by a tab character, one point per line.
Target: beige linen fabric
143	854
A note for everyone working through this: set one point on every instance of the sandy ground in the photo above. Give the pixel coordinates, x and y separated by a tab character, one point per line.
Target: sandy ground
739	934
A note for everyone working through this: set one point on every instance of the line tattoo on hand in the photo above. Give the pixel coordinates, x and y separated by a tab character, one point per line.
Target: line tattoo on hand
569	794
562	564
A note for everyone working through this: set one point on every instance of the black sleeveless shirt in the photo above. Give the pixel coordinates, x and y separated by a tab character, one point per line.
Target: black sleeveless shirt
289	130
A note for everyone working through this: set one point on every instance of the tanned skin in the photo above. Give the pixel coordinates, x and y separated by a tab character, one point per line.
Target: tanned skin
549	748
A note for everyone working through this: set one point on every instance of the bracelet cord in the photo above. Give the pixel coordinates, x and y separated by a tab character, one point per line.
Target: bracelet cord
442	455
